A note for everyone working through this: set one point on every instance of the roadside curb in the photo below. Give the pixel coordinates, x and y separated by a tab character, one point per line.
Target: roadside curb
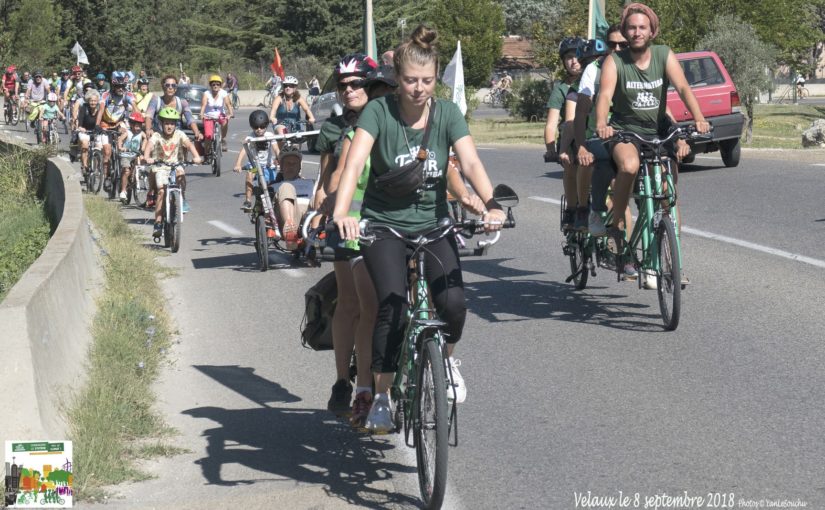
45	318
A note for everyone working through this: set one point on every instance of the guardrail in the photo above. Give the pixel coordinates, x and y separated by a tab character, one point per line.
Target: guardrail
45	318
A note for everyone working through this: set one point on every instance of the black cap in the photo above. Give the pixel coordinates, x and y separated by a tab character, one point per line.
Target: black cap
383	74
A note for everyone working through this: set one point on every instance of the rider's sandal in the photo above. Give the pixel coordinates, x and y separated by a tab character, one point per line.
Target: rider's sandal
291	236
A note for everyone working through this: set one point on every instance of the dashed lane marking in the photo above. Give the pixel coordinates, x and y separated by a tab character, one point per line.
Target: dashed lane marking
229	229
731	240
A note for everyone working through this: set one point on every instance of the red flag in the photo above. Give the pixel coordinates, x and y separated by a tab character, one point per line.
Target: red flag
276	66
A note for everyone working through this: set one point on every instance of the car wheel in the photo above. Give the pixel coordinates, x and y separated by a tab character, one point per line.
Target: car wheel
730	150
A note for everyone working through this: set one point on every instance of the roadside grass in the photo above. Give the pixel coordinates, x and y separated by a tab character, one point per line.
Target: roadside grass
24	227
774	127
131	333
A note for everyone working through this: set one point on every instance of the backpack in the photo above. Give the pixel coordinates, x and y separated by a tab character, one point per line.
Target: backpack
320	301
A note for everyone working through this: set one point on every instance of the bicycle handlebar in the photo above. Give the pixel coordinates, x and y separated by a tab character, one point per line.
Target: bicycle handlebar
685	132
445	227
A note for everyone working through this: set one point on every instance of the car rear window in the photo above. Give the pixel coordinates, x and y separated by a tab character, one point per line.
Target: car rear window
329	86
701	72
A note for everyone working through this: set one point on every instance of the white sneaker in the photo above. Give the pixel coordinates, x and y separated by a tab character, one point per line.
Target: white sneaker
379	420
649	280
595	225
458	382
123	195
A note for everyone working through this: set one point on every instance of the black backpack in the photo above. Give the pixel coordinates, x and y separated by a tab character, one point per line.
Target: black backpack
320	301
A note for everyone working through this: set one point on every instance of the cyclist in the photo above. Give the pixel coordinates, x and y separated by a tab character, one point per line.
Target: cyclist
74	87
11	85
286	107
115	107
350	74
390	130
169	99
48	112
36	93
274	84
183	80
168	146
505	83
636	80
61	86
216	107
143	98
314	86
573	69
131	140
101	84
292	194
265	152
85	122
800	84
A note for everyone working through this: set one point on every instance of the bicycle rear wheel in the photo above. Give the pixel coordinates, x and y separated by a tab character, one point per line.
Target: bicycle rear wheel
430	424
261	243
15	114
7	113
217	151
140	188
669	276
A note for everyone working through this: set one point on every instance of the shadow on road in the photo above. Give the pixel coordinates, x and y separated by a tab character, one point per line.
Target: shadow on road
302	445
507	300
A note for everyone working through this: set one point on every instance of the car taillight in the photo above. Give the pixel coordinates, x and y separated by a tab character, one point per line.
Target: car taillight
735	104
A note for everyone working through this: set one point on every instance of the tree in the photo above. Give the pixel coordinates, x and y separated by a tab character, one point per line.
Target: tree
478	24
746	57
35	36
520	15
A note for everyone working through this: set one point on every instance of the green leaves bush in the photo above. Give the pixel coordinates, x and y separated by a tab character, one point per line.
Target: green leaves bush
528	100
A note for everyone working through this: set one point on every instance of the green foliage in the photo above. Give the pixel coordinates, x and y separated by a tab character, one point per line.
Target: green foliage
528	99
478	24
520	15
33	37
24	228
444	92
745	56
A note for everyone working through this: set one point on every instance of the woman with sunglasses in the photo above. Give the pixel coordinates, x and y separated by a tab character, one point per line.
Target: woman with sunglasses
215	107
351	76
286	108
390	132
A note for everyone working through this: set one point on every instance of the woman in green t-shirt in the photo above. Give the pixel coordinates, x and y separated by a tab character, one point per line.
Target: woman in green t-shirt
390	131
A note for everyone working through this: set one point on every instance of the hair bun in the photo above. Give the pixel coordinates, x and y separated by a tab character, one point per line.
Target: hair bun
424	37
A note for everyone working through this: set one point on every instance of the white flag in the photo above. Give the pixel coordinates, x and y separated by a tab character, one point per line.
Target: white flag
81	55
454	78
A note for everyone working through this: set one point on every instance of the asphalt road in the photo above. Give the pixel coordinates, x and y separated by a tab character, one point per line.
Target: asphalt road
570	392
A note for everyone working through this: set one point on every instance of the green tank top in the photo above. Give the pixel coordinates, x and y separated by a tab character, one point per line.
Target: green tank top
358	195
640	99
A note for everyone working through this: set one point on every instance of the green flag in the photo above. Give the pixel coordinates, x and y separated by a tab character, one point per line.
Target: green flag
368	32
597	26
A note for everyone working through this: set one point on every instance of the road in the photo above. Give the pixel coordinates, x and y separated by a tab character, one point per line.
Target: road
570	392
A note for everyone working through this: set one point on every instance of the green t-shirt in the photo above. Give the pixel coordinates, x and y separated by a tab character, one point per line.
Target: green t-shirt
640	99
418	211
557	96
331	132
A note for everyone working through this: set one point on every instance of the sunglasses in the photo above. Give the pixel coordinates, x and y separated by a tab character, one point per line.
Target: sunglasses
170	85
216	83
354	85
617	44
290	86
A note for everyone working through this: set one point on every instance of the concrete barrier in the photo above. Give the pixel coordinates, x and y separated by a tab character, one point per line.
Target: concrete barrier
45	318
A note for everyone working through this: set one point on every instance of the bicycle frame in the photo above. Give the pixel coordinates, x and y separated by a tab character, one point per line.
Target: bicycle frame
172	187
266	201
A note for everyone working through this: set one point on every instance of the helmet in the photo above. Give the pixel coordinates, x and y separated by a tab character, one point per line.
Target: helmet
168	113
355	64
11	69
143	81
76	69
100	76
593	48
64	71
88	85
52	96
137	117
292	150
290	80
38	73
215	78
258	119
570	44
118	78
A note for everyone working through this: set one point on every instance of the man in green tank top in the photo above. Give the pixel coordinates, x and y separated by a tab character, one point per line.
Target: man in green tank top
636	80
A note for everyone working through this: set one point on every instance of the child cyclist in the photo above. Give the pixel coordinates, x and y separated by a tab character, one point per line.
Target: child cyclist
48	112
134	141
168	146
266	153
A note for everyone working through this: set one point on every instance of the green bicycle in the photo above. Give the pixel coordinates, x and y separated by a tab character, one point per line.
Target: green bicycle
653	246
420	388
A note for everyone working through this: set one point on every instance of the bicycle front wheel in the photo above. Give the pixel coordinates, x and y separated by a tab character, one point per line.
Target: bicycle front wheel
578	260
262	243
669	277
175	218
94	180
430	424
217	151
140	188
15	114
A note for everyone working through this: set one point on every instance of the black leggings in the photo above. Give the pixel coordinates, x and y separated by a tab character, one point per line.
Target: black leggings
386	262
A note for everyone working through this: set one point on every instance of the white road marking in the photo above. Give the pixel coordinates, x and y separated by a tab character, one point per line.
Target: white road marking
312	162
708	157
818	164
730	240
226	228
486	148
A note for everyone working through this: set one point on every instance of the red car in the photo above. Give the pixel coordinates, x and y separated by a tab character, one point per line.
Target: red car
718	100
